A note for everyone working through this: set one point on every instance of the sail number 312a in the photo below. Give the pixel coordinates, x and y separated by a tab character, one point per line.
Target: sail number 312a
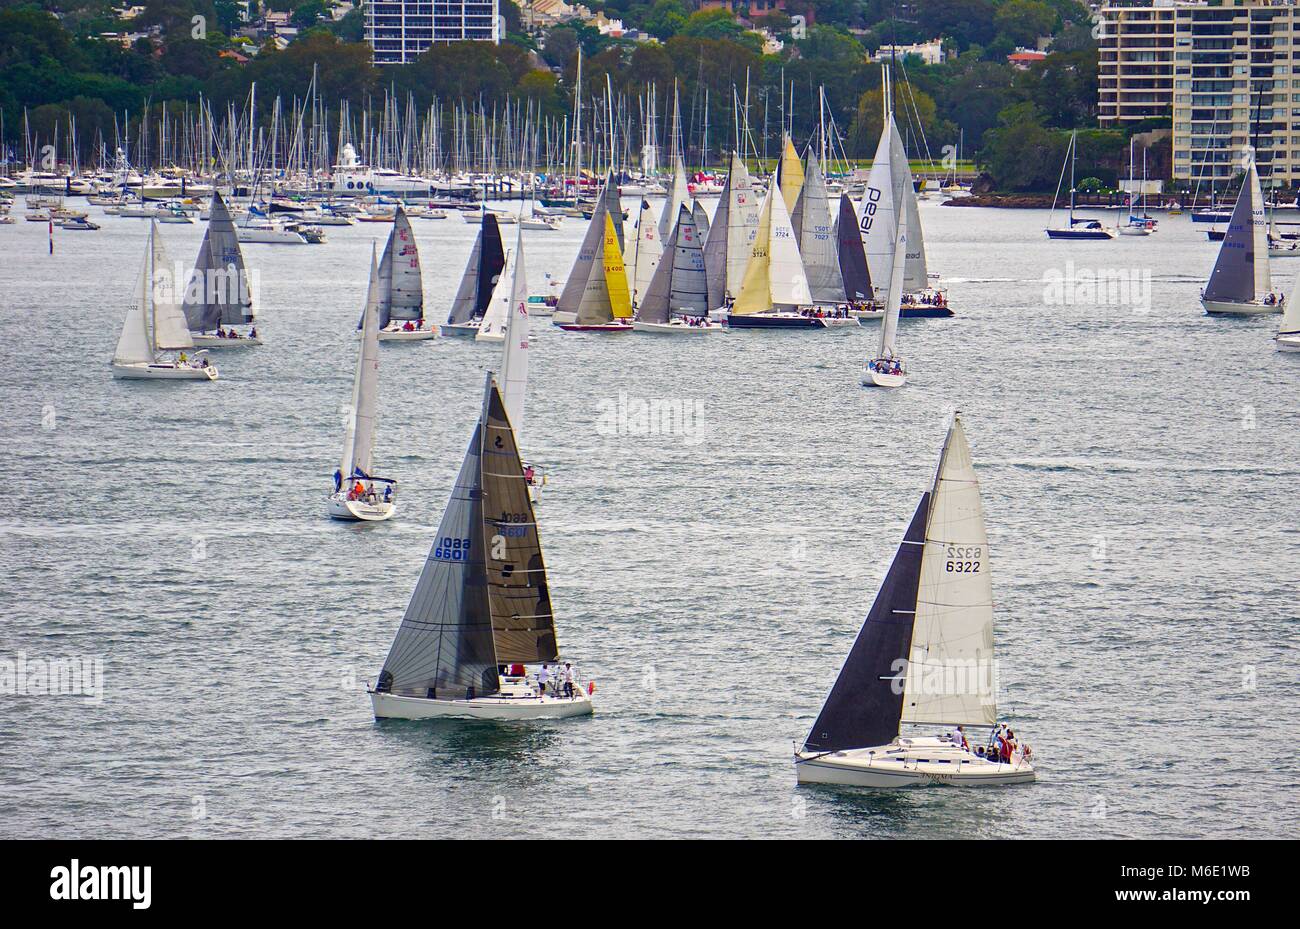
963	559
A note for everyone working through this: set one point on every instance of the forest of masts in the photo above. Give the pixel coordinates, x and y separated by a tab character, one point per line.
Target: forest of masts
302	137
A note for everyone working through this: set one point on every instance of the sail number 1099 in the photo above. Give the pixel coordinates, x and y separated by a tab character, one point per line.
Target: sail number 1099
963	559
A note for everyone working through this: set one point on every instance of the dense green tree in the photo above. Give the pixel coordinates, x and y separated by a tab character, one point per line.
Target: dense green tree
1023	21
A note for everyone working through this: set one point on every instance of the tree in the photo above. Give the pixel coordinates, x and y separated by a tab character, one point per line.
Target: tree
1023	21
665	19
864	133
1021	154
560	46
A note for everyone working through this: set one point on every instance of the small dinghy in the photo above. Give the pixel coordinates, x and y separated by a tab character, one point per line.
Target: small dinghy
1240	283
485	264
154	326
218	296
362	496
480	616
924	657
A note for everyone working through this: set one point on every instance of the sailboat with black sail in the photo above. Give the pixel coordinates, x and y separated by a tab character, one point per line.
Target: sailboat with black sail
1240	283
479	628
218	296
924	657
481	272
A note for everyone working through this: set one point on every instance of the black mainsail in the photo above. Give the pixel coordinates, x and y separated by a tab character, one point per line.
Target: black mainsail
865	706
482	598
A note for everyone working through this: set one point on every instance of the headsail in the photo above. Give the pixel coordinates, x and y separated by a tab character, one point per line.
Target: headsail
677	195
811	221
1241	272
854	272
786	276
865	705
169	329
950	672
646	250
589	254
135	345
218	293
701	220
359	438
894	299
727	253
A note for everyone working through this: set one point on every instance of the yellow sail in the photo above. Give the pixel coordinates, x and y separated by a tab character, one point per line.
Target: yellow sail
756	288
620	302
791	176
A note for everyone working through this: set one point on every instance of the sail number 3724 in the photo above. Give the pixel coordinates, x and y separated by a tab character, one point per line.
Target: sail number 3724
963	559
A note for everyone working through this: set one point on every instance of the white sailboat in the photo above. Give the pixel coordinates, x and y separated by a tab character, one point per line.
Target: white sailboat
811	221
1240	283
154	325
775	286
886	369
401	287
479	628
218	296
358	494
889	191
676	302
476	284
929	630
595	296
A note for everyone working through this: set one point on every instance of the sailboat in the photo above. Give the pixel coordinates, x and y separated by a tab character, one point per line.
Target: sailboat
476	284
811	221
154	326
595	297
774	286
479	624
1076	228
889	191
1240	283
358	494
728	248
401	287
789	174
1136	225
676	302
929	630
886	369
218	296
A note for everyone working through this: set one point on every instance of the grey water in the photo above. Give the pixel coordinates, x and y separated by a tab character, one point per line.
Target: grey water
1139	469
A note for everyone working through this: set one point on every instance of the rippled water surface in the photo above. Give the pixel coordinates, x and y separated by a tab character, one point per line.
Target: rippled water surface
1139	466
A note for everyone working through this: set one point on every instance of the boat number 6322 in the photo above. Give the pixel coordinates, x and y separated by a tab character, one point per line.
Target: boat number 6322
963	559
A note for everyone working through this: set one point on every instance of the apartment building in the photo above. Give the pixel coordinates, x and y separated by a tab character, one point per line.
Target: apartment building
399	31
1225	74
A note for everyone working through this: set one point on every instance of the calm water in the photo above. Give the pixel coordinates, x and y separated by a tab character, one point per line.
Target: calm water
1138	464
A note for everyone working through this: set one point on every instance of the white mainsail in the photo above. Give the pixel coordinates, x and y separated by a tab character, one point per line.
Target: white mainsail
742	223
951	674
894	299
816	237
359	439
402	294
677	195
496	316
514	364
170	331
787	280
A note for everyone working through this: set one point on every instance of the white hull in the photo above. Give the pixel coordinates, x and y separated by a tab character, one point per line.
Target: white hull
252	236
459	330
489	337
831	322
393	706
163	372
1288	343
1134	230
401	335
915	763
340	507
1227	308
674	328
214	341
